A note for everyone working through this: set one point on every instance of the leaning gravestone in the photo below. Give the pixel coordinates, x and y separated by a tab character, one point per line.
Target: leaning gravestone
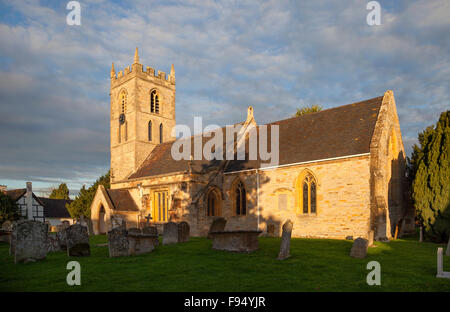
30	241
359	248
170	233
183	232
447	252
218	225
77	240
118	242
285	240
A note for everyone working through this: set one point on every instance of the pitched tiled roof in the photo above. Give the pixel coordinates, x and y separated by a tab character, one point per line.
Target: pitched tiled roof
16	194
122	200
341	131
55	208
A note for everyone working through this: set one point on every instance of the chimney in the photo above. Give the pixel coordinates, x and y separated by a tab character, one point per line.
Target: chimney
29	201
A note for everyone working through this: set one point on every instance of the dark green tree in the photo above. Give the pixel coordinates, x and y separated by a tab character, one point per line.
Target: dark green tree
8	209
82	203
307	110
62	192
429	174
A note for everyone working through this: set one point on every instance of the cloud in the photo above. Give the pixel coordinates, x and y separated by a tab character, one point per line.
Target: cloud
273	55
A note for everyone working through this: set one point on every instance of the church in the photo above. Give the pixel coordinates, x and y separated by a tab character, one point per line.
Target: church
340	173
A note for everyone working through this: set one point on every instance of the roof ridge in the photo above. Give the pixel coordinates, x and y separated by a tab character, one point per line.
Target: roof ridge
328	109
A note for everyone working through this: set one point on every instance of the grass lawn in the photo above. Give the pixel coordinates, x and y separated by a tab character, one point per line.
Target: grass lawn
315	265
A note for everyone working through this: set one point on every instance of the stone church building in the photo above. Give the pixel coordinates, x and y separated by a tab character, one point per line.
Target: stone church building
340	173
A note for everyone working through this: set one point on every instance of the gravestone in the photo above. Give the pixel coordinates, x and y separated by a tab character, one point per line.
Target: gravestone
12	239
440	265
7	226
153	230
183	232
77	240
53	243
62	235
170	233
139	242
370	238
117	222
359	248
118	244
218	225
447	252
89	225
30	241
285	241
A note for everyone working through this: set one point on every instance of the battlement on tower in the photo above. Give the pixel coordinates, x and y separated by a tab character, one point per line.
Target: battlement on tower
137	69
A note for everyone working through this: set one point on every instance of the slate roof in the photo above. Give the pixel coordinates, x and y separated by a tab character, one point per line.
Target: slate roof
341	131
55	208
122	200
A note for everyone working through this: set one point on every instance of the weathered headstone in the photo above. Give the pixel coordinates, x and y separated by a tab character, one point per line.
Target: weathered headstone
447	252
285	240
7	226
140	243
359	248
183	232
117	222
77	240
218	225
53	243
12	239
30	241
440	265
370	238
62	235
118	244
153	230
170	233
90	226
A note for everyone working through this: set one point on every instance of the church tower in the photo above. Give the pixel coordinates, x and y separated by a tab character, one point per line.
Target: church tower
142	115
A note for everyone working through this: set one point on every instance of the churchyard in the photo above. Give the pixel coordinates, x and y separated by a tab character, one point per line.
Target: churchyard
313	265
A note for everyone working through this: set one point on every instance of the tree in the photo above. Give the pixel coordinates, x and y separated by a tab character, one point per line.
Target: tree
9	211
307	110
62	192
429	175
81	206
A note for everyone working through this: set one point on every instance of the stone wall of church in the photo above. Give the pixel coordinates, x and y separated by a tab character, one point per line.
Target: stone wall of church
343	199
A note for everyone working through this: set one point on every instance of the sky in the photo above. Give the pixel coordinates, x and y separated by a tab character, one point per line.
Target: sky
274	55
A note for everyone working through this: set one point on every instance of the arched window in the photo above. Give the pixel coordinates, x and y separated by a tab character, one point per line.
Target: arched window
213	203
150	130
308	194
160	133
240	199
154	102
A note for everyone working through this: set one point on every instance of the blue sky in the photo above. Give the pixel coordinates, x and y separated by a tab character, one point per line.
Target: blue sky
273	55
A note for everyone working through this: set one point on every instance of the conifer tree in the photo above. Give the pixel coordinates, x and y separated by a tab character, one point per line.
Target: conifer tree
429	171
81	206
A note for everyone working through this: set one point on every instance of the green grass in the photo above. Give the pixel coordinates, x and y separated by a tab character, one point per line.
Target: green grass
315	265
